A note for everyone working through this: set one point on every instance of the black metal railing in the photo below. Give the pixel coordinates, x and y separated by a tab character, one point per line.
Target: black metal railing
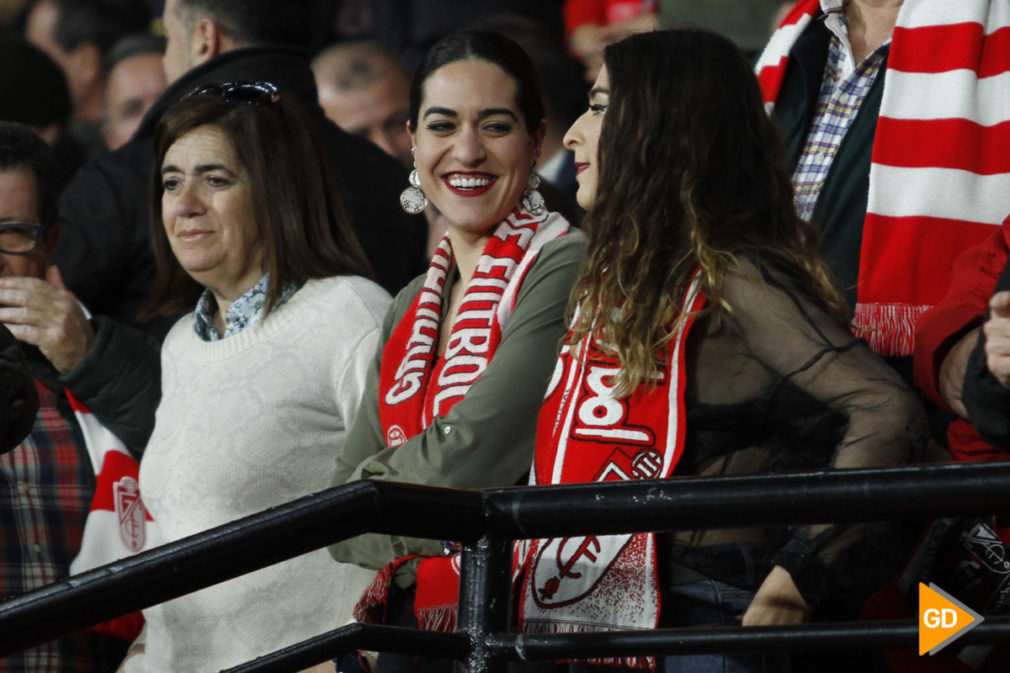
486	523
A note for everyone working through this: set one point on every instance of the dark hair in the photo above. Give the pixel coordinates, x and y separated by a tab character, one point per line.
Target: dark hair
690	174
490	47
33	88
135	44
261	22
22	148
102	22
295	193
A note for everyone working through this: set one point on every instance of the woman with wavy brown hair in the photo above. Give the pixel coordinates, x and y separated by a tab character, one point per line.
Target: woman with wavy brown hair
706	339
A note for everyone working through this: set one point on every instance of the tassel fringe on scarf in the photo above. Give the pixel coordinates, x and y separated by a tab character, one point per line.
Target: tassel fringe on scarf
940	171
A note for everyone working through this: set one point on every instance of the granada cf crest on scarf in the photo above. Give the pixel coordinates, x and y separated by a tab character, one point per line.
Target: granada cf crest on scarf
131	513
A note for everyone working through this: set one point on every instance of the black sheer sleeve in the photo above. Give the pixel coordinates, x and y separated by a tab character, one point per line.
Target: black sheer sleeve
809	394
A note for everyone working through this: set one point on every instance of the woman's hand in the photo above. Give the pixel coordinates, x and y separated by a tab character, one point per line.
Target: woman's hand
778	601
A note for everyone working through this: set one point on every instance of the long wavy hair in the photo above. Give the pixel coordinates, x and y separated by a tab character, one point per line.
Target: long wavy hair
690	175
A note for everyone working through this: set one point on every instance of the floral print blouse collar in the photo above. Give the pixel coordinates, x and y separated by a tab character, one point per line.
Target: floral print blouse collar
244	312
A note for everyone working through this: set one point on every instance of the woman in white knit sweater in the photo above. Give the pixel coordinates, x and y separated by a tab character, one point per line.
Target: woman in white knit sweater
261	380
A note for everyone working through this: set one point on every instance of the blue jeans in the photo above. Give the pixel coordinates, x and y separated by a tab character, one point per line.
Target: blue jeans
713	603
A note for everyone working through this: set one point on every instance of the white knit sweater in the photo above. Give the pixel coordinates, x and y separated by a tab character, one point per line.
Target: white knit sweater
252	421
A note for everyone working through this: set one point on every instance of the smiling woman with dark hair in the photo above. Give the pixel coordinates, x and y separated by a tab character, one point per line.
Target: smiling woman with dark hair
453	393
261	380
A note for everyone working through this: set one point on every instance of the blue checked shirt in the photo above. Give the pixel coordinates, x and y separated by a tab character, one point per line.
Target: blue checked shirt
843	88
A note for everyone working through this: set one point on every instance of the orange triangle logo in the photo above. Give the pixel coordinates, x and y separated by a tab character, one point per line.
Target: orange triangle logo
942	619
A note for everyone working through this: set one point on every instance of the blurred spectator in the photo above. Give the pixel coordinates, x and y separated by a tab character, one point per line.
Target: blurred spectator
410	27
590	25
364	91
33	92
136	79
47	483
748	24
9	10
78	34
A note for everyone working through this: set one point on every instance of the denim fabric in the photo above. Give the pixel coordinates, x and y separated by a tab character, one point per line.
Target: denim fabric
713	603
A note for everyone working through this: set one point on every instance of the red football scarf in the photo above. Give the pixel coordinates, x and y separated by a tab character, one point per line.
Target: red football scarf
940	173
118	525
584	434
415	387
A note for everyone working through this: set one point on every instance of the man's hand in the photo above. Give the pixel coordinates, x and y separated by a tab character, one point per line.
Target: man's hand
45	314
952	370
778	601
997	337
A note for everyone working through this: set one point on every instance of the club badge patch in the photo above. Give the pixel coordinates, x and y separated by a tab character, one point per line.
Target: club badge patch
131	513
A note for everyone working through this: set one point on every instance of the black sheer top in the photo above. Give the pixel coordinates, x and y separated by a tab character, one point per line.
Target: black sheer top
779	384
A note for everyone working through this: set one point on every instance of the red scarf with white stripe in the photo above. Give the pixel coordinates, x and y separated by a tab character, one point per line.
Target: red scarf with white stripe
584	434
940	172
415	386
118	523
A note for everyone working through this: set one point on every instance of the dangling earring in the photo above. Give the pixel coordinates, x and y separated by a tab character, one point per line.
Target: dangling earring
533	201
412	199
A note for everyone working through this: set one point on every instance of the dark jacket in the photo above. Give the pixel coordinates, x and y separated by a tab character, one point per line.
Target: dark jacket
119	380
105	255
841	206
19	400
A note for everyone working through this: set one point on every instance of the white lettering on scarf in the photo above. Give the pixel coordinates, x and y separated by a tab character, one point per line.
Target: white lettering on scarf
410	374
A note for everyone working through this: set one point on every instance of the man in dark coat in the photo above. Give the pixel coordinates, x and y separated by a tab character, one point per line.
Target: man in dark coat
48	478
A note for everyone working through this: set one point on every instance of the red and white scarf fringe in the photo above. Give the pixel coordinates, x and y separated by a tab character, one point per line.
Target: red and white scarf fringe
940	171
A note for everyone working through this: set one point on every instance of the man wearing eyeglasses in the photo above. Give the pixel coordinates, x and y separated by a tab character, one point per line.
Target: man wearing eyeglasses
47	482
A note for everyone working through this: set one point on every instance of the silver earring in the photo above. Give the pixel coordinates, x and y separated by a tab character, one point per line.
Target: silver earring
412	199
533	201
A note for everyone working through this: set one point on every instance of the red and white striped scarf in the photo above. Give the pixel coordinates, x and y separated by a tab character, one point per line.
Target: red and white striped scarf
584	435
940	171
415	386
118	524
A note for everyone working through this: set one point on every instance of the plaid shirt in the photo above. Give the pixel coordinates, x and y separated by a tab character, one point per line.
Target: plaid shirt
46	487
843	88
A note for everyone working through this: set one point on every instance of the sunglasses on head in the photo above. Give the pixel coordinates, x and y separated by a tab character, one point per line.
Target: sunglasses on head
249	93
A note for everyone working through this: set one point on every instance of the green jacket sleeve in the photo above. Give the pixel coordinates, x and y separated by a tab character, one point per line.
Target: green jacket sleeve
486	439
